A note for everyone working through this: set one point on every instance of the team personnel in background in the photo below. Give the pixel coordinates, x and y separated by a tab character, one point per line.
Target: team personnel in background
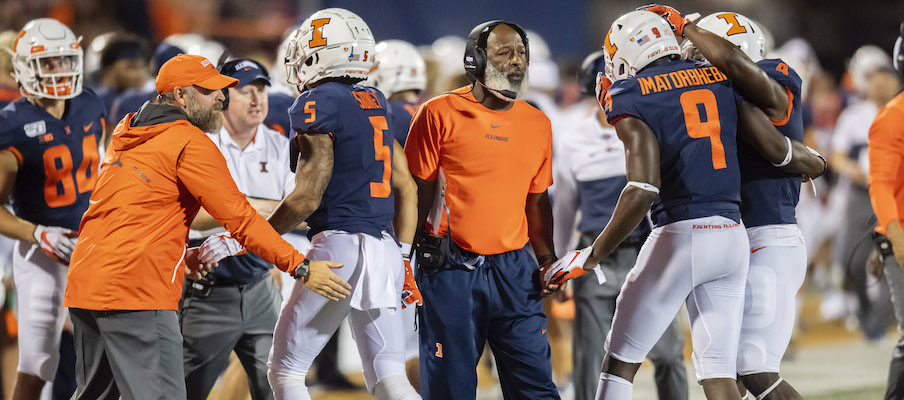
489	156
9	89
131	100
348	168
875	83
401	75
886	190
125	278
48	166
123	65
769	196
698	252
591	176
234	308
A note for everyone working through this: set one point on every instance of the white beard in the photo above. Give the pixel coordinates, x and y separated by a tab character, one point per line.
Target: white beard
496	81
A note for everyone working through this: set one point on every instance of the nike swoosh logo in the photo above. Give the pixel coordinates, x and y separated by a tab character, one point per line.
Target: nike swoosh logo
494	126
756	249
543	332
88	127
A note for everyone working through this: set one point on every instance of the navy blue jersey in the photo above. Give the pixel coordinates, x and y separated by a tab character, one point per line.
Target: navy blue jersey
130	101
278	112
358	197
107	96
402	112
769	195
691	107
58	159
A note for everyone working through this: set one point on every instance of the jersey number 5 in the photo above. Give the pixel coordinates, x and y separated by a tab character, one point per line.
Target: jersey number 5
381	153
60	188
701	117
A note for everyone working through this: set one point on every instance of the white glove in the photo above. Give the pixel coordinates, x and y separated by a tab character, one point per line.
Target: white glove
569	267
57	242
218	247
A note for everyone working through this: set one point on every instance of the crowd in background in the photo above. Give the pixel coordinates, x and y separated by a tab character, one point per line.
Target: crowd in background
835	216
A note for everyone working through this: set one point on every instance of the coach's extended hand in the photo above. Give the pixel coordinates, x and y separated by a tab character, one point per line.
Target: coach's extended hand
323	281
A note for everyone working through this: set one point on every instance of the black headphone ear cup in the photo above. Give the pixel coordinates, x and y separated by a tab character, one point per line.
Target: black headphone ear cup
480	62
226	100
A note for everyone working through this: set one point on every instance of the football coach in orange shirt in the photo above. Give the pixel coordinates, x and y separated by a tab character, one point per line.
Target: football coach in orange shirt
886	192
482	160
125	276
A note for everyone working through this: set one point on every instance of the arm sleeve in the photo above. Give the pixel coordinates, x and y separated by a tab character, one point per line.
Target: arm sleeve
202	169
423	145
886	151
543	179
315	111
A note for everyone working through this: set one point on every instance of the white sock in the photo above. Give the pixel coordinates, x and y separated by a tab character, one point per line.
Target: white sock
395	388
614	388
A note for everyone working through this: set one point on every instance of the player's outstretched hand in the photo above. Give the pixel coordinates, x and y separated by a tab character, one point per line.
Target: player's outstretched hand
323	281
218	247
670	14
566	268
57	242
194	268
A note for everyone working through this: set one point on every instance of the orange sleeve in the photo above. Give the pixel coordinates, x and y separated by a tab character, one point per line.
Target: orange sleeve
202	169
422	148
886	150
543	179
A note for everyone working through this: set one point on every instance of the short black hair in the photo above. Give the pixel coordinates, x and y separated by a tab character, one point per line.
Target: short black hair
124	46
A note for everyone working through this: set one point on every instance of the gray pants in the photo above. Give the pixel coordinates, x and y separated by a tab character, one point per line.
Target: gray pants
594	308
239	318
137	354
895	278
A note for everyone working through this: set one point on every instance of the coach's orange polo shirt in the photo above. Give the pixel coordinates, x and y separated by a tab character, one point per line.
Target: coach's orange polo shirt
886	163
491	160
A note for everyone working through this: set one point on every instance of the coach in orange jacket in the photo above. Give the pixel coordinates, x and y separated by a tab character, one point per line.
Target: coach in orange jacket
125	276
886	192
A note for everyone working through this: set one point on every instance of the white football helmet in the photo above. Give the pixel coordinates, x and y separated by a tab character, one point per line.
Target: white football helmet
400	68
634	41
866	60
332	43
737	29
47	60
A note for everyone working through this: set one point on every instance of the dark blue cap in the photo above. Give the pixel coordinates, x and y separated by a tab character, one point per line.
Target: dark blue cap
163	53
246	71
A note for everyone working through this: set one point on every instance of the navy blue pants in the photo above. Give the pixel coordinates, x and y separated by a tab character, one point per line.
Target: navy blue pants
496	302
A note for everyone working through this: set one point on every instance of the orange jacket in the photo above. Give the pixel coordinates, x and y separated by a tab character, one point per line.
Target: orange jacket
131	247
886	163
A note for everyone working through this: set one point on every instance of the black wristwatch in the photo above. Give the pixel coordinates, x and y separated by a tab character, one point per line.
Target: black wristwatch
302	270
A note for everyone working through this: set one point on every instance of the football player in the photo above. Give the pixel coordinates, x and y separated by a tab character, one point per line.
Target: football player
48	167
401	75
678	120
769	196
348	167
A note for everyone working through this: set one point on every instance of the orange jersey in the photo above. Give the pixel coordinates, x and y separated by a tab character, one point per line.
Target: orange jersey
490	159
886	163
130	253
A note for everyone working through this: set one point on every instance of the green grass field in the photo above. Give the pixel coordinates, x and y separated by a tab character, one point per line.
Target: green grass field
871	393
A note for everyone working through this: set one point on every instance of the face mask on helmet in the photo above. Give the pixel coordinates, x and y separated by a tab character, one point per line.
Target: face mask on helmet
47	60
332	43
